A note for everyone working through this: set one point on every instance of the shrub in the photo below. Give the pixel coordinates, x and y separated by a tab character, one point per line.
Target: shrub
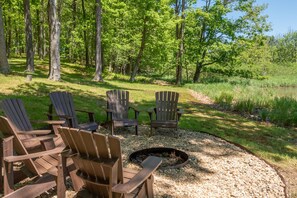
284	111
224	100
264	114
244	106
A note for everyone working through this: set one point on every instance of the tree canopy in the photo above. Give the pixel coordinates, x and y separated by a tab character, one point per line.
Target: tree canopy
177	38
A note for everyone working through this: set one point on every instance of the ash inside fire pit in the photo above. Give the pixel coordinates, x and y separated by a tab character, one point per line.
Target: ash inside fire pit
171	158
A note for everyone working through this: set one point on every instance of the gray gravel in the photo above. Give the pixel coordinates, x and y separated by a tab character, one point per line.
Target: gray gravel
216	168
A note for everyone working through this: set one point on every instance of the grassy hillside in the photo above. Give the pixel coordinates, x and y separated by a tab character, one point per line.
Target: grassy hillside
275	144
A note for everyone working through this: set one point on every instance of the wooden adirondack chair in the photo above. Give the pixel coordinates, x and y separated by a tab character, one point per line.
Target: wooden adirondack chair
167	113
99	162
117	110
15	111
44	165
64	108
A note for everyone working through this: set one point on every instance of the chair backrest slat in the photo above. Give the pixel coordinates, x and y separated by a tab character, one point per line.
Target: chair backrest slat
166	105
102	146
116	152
118	102
88	141
98	159
64	106
14	110
7	130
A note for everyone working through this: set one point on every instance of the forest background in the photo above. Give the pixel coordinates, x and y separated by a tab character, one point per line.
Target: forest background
216	48
178	40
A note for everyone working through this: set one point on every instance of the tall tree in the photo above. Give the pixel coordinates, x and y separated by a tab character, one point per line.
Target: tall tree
40	30
212	35
180	29
55	67
4	66
86	42
29	37
141	49
98	56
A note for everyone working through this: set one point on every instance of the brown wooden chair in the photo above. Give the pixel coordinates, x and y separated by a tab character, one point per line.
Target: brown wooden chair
99	161
43	165
117	110
63	104
15	111
167	113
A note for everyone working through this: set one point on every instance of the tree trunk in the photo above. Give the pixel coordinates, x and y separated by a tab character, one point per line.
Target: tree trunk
40	17
54	42
98	59
197	72
85	35
180	38
140	53
29	37
8	46
4	66
40	34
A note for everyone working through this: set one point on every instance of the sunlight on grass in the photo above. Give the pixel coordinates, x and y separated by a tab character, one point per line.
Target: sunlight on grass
269	142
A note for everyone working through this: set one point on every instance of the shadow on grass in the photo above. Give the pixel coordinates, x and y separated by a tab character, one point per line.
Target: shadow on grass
274	142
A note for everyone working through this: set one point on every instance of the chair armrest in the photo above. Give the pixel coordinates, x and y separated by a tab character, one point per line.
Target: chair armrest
133	108
90	113
68	153
84	111
179	113
32	155
136	112
149	166
35	132
51	122
150	112
39	138
66	117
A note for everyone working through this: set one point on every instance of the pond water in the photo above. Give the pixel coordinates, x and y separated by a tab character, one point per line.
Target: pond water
286	91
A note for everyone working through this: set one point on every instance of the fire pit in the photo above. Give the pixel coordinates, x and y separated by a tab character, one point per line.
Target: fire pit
171	158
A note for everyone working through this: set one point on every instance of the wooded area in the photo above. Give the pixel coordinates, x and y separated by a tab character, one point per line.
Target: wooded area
179	38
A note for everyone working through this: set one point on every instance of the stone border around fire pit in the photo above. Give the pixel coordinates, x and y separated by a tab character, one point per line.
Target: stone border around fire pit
155	151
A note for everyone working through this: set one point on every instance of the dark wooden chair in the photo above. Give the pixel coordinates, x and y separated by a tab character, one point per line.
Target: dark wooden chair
62	102
117	110
167	113
15	111
99	161
43	165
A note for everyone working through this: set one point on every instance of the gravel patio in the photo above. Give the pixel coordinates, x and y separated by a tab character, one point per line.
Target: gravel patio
216	167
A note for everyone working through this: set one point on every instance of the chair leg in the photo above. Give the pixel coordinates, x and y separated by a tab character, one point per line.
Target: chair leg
136	130
8	176
149	187
112	128
61	178
77	182
1	165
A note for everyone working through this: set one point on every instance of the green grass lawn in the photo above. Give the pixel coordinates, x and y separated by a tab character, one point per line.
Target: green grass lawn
275	144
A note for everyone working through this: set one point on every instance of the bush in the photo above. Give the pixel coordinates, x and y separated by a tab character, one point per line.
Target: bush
224	100
264	114
284	111
245	106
